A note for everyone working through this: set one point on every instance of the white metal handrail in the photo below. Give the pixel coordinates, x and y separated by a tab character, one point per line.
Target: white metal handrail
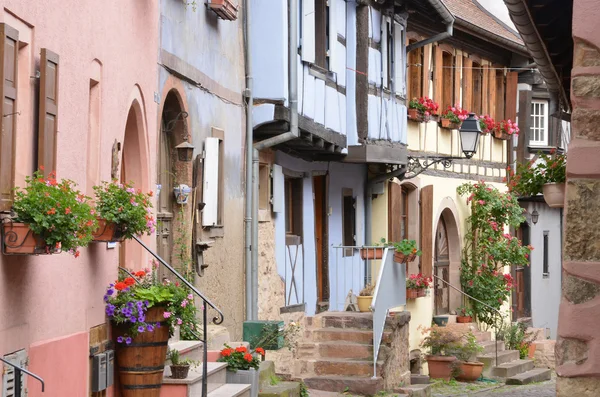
390	292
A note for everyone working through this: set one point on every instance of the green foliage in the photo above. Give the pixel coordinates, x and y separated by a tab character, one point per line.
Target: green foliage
304	390
468	347
488	249
530	177
407	247
516	337
269	336
127	207
56	211
441	341
176	359
465	311
241	358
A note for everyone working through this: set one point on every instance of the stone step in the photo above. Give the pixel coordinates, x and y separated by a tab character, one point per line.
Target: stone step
418	379
489	346
282	389
482	336
217	375
505	356
415	390
464	326
512	368
346	384
346	335
192	349
227	390
340	367
340	350
535	375
346	320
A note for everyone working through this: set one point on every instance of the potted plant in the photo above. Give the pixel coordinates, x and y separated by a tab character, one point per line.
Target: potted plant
422	109
51	216
486	124
180	367
441	344
143	313
406	251
123	212
453	117
365	297
374	253
416	286
464	315
469	369
242	366
505	129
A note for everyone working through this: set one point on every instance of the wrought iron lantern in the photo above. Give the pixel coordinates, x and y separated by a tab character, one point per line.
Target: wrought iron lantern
185	151
469	135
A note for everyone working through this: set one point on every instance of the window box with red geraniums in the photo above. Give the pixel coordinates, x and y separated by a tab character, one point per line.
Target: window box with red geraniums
505	129
422	109
242	366
453	117
417	285
123	212
487	124
51	216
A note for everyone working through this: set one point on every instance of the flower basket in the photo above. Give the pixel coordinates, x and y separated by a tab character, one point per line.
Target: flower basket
400	257
179	371
449	124
19	239
412	293
140	364
421	293
108	232
245	377
371	253
554	194
499	134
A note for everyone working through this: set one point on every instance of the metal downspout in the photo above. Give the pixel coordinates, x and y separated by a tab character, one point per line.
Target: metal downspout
248	221
433	39
289	135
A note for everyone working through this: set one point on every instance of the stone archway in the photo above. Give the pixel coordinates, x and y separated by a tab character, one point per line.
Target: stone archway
447	254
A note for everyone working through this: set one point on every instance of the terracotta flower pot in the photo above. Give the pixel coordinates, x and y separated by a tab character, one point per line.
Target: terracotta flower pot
470	372
107	232
371	253
554	194
415	115
421	292
19	239
531	352
364	303
440	367
447	123
464	319
179	371
501	135
412	293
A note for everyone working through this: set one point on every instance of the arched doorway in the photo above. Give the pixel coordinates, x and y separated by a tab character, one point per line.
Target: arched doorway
441	268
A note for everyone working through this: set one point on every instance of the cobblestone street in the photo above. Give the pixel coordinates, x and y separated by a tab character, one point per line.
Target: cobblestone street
544	389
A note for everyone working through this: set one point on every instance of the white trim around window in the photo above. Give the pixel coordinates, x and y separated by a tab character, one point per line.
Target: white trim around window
539	123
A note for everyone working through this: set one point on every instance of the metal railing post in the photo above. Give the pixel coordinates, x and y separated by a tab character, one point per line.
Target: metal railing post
205	352
18	375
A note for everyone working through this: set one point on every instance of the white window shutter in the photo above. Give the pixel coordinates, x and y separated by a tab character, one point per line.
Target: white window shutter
210	191
400	61
8	376
308	30
385	49
277	200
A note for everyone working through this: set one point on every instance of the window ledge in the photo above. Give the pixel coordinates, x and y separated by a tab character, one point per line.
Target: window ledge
216	231
533	148
321	73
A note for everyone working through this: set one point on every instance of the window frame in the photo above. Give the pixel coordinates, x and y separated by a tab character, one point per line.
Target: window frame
348	195
293	206
544	128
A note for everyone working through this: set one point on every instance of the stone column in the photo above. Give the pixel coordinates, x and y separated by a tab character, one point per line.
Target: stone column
578	344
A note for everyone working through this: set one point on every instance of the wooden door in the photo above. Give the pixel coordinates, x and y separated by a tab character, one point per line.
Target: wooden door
441	269
321	240
522	275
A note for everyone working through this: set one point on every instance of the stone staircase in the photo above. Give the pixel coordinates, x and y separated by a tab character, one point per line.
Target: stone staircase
337	355
508	366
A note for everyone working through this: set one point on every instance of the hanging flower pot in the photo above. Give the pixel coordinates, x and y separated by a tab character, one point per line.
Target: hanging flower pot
414	114
412	293
108	232
371	253
19	239
554	194
400	257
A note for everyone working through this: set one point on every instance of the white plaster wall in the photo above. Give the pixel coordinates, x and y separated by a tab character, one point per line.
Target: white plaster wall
546	290
351	129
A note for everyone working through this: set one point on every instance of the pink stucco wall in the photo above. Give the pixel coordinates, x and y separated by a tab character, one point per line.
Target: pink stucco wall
45	299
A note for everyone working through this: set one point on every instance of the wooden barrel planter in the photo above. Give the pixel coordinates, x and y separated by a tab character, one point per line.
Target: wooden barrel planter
140	365
107	232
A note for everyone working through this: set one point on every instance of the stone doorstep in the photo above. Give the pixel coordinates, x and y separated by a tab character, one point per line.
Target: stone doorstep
489	360
415	390
346	335
342	384
482	336
525	378
336	350
229	390
346	320
418	379
217	375
339	367
490	346
512	368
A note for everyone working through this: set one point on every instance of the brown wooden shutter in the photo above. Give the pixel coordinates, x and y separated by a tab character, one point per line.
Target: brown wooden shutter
48	112
438	75
427	230
467	83
492	92
457	81
9	49
500	95
485	104
426	72
510	109
395	212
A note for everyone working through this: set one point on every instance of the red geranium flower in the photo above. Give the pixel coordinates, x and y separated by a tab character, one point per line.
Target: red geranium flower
226	352
260	351
141	273
241	349
120	286
129	281
248	357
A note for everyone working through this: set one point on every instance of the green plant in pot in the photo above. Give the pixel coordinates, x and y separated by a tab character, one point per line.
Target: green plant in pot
365	298
464	314
406	251
467	369
441	344
180	367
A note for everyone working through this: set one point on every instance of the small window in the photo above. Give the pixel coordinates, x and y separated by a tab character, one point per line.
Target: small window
322	33
293	206
539	123
545	270
348	220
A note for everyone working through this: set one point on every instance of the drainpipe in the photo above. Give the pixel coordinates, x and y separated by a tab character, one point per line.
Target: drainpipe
267	143
447	18
248	216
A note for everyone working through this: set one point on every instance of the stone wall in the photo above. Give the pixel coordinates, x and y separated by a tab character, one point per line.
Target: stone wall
578	344
396	370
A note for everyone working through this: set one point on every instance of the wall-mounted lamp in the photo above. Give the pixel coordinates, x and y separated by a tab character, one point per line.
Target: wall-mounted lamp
182	193
185	151
535	216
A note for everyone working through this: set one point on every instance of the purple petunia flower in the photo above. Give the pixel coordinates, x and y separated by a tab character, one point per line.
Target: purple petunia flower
141	328
147	303
120	339
132	319
128	341
141	318
110	291
157	325
150	328
130	304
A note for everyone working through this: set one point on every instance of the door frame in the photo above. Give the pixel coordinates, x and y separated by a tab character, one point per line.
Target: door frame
320	182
